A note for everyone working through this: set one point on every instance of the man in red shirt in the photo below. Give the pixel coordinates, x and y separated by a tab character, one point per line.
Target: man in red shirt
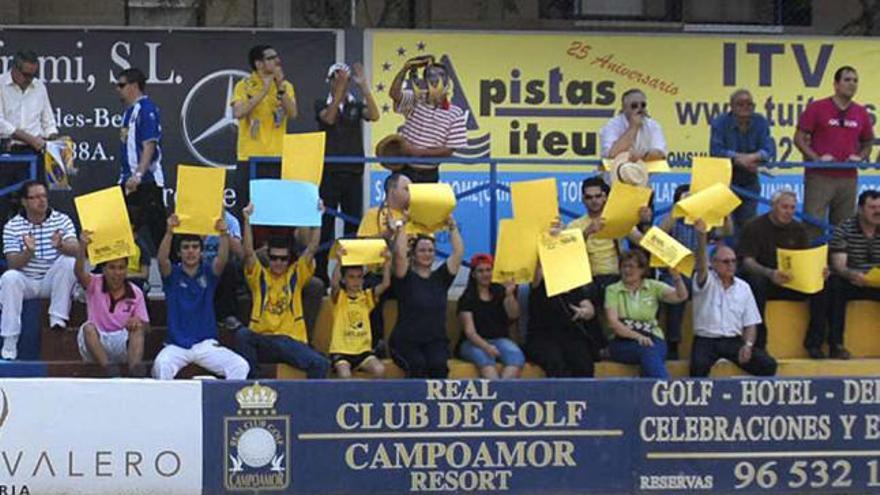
834	129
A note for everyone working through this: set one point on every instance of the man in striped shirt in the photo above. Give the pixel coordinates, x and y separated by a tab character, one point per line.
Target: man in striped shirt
39	245
855	250
433	127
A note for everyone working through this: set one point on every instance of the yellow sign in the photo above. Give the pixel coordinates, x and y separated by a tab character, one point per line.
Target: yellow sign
706	172
805	266
302	157
105	215
430	206
872	278
711	204
516	252
668	251
199	199
359	252
564	261
657	166
535	202
621	211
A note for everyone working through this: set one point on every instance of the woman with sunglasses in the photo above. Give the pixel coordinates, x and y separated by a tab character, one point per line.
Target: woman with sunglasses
631	310
418	342
486	311
633	131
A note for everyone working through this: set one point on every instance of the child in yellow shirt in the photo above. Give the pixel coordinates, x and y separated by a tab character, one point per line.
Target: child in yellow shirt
351	346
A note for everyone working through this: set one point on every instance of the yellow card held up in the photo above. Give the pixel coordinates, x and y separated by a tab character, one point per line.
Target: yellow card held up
199	199
302	157
535	202
359	252
516	252
668	251
430	206
711	204
564	261
872	278
105	215
706	171
621	211
657	166
806	267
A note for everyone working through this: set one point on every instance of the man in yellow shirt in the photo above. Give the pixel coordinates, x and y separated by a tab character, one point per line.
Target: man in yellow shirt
262	103
277	331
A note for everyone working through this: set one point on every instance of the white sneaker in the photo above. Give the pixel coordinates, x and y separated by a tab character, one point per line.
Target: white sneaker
10	348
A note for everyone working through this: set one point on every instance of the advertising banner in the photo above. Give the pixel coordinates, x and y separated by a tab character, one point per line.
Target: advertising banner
64	436
190	77
547	95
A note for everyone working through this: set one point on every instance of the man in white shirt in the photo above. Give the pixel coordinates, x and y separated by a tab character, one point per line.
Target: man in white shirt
725	315
633	131
39	245
26	117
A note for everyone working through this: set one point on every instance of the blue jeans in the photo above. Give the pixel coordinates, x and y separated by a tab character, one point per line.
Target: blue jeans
652	359
511	355
256	347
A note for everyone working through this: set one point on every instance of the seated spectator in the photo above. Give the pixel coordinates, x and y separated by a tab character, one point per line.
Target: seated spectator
117	315
631	309
725	315
760	239
226	299
854	251
39	244
633	131
486	311
351	343
277	331
378	222
563	336
189	287
418	342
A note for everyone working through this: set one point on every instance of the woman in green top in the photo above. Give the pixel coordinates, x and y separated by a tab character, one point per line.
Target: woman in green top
631	309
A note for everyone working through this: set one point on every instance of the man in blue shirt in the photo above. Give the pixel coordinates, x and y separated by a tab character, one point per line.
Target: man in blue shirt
189	293
141	155
743	136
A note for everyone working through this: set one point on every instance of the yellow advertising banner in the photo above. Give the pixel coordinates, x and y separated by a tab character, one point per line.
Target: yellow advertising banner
546	95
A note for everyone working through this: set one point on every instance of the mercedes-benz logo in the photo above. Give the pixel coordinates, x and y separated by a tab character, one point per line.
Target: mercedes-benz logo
211	142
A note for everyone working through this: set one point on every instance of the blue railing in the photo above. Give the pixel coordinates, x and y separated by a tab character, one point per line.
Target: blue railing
493	186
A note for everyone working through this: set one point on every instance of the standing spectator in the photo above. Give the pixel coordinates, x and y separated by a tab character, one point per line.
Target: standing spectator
854	251
631	309
725	315
341	117
277	331
834	129
743	136
141	156
226	298
603	253
117	315
189	288
39	244
761	238
633	131
418	342
486	311
262	103
351	342
433	127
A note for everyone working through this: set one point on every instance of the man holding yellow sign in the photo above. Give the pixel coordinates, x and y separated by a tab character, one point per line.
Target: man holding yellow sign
761	239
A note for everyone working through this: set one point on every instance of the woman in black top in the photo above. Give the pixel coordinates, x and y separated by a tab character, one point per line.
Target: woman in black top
418	342
486	311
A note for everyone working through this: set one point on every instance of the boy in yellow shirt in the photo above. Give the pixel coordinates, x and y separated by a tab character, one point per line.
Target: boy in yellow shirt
351	343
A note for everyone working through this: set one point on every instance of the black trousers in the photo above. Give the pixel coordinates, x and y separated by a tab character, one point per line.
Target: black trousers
341	191
147	209
707	351
421	176
421	359
226	295
765	290
844	292
563	354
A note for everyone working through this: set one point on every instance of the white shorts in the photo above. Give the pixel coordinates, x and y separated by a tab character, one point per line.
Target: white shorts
115	344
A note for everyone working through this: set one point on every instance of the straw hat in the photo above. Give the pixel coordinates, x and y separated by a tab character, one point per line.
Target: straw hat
391	145
629	172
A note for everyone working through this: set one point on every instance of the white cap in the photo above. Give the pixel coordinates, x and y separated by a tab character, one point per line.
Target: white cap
335	67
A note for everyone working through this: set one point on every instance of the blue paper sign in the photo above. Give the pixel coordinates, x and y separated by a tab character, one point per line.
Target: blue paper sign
285	203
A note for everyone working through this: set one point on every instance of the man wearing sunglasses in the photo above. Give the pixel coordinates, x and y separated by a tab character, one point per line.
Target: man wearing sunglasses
140	154
743	136
839	131
633	131
26	117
